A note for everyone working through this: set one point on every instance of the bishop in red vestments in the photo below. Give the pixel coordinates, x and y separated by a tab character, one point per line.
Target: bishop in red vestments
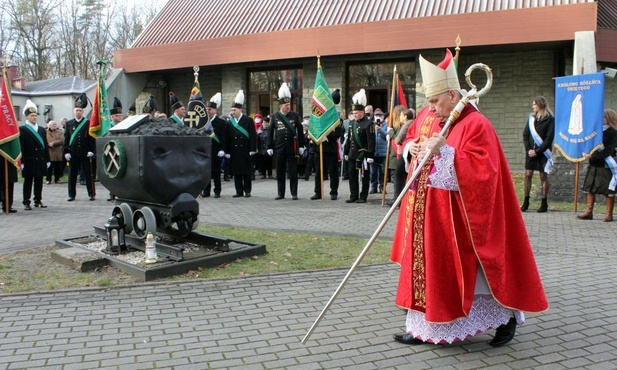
466	261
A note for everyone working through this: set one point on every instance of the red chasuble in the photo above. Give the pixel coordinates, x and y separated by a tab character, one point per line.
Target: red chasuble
442	237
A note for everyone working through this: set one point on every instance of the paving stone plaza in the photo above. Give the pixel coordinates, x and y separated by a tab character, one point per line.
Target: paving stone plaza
257	322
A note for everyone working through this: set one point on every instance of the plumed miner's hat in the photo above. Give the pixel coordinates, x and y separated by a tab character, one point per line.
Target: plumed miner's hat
30	108
440	78
174	102
81	101
215	101
359	100
239	100
117	107
336	96
150	106
284	94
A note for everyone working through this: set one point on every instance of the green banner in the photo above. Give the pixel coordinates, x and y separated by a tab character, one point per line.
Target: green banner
324	116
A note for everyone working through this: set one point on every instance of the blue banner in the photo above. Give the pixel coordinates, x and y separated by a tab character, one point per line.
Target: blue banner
579	107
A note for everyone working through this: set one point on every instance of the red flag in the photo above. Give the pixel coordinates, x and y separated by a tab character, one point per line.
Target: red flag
100	120
399	94
10	148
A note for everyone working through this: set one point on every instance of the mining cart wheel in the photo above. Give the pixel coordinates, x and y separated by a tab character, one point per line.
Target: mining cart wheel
185	224
124	214
144	222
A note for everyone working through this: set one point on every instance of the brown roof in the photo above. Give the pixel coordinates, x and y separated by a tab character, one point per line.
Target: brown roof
342	27
190	20
607	14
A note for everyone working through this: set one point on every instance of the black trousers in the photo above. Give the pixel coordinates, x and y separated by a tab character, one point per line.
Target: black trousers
75	165
56	169
354	186
2	195
38	189
400	176
243	184
286	162
331	166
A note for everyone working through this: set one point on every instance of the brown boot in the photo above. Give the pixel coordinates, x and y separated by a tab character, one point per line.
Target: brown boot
610	203
588	214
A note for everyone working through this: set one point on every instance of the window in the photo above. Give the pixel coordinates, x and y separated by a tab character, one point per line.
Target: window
263	88
17	110
376	79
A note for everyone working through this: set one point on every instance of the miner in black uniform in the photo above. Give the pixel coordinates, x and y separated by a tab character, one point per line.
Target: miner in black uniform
177	110
150	107
34	157
286	142
241	146
216	127
359	149
79	149
330	149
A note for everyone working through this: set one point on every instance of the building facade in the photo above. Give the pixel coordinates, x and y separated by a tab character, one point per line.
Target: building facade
255	45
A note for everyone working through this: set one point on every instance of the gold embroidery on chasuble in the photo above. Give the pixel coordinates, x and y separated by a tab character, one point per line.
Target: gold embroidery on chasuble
417	244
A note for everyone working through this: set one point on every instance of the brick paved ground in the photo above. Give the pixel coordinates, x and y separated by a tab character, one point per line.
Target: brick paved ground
257	322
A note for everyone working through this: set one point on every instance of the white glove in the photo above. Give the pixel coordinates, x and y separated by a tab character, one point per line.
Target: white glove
227	156
325	139
48	164
369	160
301	150
251	153
346	157
270	152
221	154
90	154
387	137
67	156
22	167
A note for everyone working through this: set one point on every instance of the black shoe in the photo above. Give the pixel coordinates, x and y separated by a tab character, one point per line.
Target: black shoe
315	197
345	178
279	197
217	195
82	183
12	210
543	206
27	207
504	333
247	195
525	205
407	339
92	197
333	197
351	200
361	201
70	199
294	197
40	205
236	195
373	191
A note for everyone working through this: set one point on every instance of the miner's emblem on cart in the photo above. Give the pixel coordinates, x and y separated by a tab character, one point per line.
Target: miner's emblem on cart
114	159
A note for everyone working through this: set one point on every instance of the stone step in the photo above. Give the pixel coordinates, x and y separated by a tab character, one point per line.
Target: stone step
78	259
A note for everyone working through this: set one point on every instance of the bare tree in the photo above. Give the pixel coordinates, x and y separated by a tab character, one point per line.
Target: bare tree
7	36
32	20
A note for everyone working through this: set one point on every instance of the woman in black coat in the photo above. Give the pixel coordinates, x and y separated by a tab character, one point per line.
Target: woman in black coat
599	175
544	124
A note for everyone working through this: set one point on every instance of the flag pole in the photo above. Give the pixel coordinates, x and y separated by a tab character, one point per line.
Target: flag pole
6	186
578	164
390	124
320	145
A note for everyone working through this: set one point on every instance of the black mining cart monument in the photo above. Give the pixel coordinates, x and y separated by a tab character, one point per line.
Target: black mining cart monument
155	169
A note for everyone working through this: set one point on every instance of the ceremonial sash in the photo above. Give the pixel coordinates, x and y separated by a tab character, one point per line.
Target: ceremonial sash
177	120
538	140
288	123
36	135
77	130
612	165
214	137
238	127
